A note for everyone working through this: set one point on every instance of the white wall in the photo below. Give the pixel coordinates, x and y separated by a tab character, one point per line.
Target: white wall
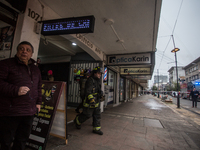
26	23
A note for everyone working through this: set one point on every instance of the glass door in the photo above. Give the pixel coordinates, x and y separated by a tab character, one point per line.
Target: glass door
121	89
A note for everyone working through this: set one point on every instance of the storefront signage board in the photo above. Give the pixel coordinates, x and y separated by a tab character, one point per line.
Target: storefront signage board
51	93
131	59
134	71
140	77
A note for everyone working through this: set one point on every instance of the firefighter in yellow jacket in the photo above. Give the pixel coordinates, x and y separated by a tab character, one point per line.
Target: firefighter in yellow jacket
91	104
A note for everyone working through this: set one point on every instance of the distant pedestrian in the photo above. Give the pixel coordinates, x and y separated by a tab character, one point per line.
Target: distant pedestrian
174	94
50	75
194	95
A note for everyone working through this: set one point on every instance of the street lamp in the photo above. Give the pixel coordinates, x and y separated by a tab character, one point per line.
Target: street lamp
174	51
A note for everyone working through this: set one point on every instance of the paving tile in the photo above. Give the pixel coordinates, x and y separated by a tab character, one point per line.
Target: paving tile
132	128
114	144
124	129
138	142
127	147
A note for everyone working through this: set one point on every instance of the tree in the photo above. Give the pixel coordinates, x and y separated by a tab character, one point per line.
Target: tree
175	86
154	88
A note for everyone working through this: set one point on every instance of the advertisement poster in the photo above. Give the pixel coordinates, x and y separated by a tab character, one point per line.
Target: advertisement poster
6	37
42	122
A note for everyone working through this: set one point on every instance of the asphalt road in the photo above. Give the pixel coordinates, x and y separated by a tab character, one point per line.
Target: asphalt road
186	104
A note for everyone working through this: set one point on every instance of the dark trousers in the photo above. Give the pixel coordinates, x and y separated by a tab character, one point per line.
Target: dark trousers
194	102
16	130
90	112
81	104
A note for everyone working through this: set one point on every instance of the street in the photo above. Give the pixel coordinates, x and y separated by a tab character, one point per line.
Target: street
187	104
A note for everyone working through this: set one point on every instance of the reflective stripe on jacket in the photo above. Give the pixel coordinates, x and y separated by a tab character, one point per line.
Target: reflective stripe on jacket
92	92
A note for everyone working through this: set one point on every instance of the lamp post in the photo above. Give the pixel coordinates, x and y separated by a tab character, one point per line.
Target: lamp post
158	86
174	51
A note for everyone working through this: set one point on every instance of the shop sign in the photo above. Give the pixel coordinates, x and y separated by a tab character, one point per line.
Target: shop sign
134	71
144	58
142	77
88	43
42	122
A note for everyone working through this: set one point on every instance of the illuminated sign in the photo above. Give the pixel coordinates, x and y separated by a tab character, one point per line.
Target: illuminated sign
129	59
72	25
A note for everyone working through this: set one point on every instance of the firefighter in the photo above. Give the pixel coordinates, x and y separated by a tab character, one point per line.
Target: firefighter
91	103
82	88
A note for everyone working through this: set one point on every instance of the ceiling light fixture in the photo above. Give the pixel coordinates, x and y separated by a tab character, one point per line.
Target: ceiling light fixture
109	21
120	41
74	44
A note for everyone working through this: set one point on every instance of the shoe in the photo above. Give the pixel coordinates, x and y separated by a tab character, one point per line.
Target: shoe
98	132
77	126
77	111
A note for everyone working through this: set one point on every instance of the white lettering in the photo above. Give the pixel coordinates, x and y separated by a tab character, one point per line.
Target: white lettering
84	40
137	58
43	121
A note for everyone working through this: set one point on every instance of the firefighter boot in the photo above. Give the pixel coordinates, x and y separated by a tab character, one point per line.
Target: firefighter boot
77	126
98	132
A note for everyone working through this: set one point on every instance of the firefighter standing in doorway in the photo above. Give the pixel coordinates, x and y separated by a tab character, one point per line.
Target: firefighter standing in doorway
91	104
82	88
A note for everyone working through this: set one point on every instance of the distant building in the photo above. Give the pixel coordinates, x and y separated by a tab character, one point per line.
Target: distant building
160	81
172	74
192	70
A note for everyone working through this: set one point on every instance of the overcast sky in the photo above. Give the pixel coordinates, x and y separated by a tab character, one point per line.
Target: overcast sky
180	18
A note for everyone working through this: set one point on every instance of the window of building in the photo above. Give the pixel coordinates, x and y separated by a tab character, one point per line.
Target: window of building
197	67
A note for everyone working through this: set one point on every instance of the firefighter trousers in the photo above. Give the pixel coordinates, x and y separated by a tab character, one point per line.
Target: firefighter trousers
88	113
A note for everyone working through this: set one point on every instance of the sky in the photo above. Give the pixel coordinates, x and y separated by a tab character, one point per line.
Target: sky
179	20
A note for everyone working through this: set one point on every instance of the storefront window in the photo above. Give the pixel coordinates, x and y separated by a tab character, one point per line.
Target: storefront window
112	85
121	88
128	89
133	94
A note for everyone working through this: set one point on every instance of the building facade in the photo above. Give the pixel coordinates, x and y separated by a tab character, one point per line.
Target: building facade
192	70
172	74
160	81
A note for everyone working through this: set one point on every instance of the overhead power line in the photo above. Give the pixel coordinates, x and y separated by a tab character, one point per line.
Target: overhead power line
172	33
177	17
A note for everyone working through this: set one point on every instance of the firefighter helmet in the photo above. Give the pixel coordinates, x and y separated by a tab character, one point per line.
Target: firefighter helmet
87	72
97	69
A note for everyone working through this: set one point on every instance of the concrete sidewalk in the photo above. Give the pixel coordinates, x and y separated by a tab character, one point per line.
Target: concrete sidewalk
144	123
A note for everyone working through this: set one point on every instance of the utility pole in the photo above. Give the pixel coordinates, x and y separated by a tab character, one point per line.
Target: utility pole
174	51
178	99
158	84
